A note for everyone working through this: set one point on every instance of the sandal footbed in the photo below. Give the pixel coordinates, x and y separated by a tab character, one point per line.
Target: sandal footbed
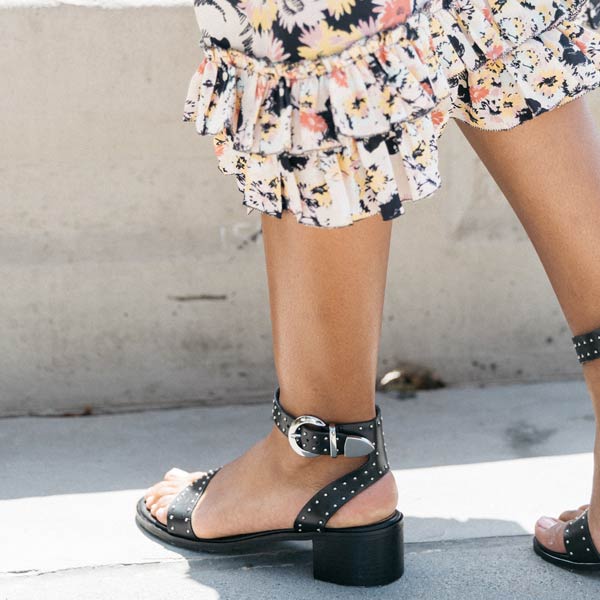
146	521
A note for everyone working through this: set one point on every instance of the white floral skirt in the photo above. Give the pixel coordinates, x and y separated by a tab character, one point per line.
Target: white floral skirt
307	100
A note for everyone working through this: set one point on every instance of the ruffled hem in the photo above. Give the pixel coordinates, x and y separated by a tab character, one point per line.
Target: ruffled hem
337	187
373	85
316	137
542	73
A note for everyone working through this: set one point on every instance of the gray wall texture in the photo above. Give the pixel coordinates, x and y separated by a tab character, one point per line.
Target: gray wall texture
132	277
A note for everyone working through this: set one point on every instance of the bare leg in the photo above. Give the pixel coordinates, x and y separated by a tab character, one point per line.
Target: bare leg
326	290
549	170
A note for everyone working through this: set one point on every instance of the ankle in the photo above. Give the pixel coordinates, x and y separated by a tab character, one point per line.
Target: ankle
344	401
374	504
314	469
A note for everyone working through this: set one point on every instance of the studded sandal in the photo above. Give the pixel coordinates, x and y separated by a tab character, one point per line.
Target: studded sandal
367	555
581	553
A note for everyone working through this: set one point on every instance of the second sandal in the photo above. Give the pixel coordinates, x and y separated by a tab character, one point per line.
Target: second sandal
367	555
581	553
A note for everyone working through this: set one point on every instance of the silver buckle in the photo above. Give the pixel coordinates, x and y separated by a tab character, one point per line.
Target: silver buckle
353	446
294	437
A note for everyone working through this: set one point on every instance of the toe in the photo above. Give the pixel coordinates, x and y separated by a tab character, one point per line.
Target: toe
165	500
549	532
161	515
160	503
160	489
176	473
161	508
569	515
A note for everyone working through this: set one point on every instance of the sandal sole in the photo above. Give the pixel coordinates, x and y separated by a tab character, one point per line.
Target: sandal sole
562	560
368	555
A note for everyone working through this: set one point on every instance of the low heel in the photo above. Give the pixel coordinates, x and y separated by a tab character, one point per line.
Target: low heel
366	556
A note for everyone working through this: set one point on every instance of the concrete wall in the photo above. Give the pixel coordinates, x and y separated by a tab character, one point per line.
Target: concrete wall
131	275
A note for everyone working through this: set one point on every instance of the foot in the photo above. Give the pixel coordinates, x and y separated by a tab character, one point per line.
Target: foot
266	488
550	531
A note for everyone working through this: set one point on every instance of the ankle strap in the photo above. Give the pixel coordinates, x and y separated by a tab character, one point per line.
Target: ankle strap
587	345
309	436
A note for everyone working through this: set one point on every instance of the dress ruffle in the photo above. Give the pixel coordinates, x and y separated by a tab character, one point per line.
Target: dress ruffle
317	137
548	66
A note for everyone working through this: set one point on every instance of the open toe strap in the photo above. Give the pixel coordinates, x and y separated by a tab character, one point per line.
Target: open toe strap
179	512
578	540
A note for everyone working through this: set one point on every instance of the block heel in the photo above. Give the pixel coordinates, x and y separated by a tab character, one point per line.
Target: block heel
374	556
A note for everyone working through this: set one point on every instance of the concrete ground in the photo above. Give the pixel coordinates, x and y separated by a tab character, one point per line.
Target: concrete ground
475	468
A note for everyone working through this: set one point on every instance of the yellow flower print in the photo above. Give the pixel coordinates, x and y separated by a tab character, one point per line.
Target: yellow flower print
549	81
268	124
356	106
345	164
321	194
487	76
390	101
376	179
531	58
260	13
518	28
307	101
324	40
338	7
509	104
491	70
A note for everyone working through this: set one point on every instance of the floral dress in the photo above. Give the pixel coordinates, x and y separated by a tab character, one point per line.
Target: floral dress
308	101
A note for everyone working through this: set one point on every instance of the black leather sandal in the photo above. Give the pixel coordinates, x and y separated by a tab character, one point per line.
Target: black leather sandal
581	553
368	555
